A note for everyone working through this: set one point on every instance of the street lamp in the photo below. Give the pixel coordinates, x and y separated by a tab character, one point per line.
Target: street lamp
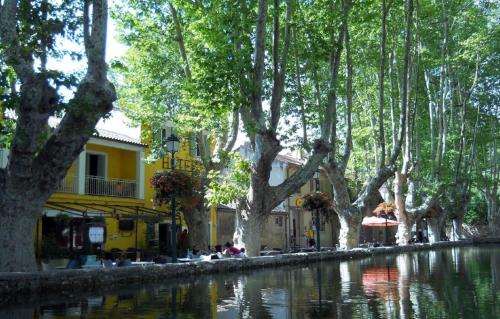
172	146
318	220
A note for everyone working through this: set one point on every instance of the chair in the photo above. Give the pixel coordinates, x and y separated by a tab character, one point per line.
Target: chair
124	263
116	252
91	262
73	264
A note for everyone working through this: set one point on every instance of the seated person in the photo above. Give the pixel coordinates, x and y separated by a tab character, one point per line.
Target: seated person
74	262
124	261
108	261
232	251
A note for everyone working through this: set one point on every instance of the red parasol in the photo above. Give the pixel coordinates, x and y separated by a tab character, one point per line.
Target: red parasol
381	282
378	222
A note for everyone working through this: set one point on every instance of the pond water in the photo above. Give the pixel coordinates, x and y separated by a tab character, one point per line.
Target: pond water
447	283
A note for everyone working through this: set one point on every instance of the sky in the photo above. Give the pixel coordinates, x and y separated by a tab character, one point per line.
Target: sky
117	121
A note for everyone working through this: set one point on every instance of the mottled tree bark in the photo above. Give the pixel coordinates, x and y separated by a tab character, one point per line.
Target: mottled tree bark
493	212
351	212
248	228
197	221
35	169
253	210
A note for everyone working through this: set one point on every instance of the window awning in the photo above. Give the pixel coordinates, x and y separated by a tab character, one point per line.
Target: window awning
88	209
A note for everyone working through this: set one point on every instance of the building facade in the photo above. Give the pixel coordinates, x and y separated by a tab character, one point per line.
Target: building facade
288	225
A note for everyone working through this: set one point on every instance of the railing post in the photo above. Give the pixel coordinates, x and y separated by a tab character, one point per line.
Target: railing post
80	176
139	171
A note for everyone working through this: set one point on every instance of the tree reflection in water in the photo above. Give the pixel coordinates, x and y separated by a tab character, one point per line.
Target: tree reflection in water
446	283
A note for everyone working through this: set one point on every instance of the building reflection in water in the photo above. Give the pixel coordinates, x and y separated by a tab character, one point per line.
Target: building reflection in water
459	283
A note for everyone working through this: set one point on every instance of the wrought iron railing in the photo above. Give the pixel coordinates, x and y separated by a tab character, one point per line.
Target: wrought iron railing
67	185
96	185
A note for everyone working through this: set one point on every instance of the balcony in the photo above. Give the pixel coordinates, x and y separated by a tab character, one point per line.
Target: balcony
95	185
100	186
68	185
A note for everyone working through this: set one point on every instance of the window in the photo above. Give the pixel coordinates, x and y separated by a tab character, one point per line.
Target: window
96	165
126	224
194	147
165	133
279	221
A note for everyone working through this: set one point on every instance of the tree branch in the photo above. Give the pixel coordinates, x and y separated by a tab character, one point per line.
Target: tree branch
234	131
19	58
299	177
93	99
95	43
204	146
299	90
381	85
257	116
348	138
404	95
180	40
422	209
280	70
330	126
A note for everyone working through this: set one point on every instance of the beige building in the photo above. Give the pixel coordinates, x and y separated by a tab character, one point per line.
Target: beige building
288	224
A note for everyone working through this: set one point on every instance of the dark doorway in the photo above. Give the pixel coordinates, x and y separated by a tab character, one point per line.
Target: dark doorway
164	239
96	165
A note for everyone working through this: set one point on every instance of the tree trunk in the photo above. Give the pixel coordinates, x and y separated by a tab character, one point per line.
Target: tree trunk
493	213
405	218
403	236
196	219
386	193
456	229
434	230
17	230
37	162
441	221
248	229
350	226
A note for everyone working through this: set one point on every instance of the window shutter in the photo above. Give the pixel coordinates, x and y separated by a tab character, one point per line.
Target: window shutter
193	144
158	136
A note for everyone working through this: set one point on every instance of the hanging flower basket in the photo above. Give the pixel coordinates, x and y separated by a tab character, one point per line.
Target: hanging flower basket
181	184
385	209
317	200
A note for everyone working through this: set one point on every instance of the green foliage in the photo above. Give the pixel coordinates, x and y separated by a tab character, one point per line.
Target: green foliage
7	129
219	35
477	211
230	185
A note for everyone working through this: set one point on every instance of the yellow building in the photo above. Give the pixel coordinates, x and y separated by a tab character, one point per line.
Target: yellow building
100	203
187	159
105	201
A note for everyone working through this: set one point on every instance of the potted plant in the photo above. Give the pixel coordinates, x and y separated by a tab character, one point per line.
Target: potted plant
316	200
184	186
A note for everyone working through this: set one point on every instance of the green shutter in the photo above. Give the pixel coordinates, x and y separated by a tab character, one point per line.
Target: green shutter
192	144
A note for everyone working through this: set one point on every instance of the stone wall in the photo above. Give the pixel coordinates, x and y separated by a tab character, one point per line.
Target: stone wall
83	280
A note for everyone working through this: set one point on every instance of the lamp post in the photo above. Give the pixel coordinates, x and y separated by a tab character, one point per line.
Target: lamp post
318	220
172	146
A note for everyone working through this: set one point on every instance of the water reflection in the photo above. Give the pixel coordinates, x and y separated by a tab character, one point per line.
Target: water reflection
454	283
